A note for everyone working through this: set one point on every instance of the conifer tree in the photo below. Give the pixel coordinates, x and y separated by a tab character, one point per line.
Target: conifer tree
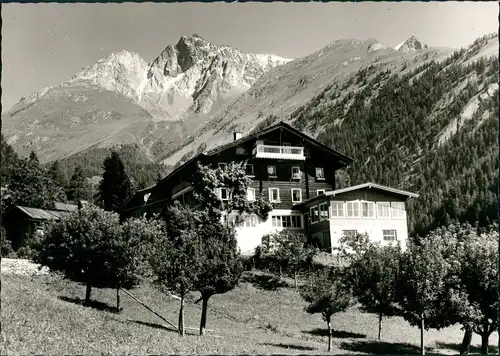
115	186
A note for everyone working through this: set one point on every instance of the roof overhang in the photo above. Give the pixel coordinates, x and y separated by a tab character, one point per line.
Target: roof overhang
369	185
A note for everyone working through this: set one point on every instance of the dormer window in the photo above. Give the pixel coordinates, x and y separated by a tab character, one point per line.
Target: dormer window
320	173
271	171
295	172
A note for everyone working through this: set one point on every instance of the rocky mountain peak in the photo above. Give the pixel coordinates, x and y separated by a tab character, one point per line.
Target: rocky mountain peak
411	44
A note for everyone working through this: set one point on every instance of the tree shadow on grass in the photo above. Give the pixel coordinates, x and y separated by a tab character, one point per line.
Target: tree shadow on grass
381	348
290	346
456	347
93	304
263	281
162	327
339	334
152	325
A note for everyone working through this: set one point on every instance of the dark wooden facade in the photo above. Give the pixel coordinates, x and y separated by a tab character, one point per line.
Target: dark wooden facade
317	156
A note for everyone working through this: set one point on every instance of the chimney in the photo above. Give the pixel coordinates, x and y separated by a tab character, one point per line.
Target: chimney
237	135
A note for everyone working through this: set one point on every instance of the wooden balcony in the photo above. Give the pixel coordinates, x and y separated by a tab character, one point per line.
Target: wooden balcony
279	152
181	188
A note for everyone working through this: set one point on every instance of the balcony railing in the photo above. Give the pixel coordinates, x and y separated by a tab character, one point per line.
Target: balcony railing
279	152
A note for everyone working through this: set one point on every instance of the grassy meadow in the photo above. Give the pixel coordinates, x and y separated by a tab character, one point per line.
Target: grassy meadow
43	314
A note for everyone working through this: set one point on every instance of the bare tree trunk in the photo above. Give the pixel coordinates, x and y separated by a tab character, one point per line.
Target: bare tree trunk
281	272
422	328
295	278
329	335
464	348
204	308
181	317
87	293
485	336
379	324
118	299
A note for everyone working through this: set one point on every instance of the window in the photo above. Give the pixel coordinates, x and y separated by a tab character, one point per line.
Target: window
353	209
249	170
274	195
231	219
296	221
271	171
224	193
314	214
367	209
223	166
296	195
383	210
287	150
295	172
398	209
320	174
349	233
323	211
250	220
389	235
337	209
253	220
320	191
287	221
250	194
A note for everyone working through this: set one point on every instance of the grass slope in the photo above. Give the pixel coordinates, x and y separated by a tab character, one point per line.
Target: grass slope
42	315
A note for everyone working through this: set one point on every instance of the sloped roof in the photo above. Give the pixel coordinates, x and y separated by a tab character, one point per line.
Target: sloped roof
343	158
368	185
271	128
41	214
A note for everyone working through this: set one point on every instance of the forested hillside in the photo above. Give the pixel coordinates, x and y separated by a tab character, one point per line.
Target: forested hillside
139	166
432	131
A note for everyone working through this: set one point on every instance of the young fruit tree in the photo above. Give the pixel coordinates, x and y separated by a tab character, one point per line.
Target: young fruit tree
422	286
479	279
327	295
128	253
291	250
176	263
376	284
472	293
91	247
221	263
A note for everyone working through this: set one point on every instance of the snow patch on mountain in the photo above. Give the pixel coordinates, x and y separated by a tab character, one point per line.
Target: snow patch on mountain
376	46
411	44
123	72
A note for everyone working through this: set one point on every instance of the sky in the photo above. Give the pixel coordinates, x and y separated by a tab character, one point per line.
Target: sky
45	44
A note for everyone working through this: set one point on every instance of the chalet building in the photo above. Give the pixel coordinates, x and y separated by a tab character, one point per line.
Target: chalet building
21	222
290	169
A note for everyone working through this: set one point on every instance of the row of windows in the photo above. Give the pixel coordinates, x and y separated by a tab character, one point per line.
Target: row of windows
251	220
319	212
287	221
358	209
387	235
272	173
274	194
243	221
